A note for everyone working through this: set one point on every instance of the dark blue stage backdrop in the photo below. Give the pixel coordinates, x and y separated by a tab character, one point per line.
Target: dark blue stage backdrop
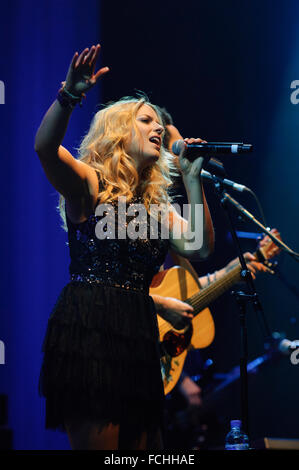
38	40
224	70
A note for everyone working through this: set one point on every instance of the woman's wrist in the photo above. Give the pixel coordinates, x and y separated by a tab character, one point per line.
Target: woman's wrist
159	302
192	184
211	277
68	99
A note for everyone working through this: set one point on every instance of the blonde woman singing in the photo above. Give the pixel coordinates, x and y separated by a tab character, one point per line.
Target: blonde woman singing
101	369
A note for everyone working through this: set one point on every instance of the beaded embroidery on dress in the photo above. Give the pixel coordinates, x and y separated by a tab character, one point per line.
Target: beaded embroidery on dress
101	349
127	263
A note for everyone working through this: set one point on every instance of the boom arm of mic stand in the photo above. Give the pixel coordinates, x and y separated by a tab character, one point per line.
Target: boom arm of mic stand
250	217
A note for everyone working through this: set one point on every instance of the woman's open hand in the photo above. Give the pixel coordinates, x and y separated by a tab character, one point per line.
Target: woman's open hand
81	74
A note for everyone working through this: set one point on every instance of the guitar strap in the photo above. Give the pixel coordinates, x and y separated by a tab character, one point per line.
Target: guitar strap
184	263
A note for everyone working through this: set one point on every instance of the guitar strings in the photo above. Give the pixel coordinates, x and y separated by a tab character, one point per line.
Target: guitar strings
197	299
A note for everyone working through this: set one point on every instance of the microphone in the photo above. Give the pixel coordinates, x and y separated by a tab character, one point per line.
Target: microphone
210	148
227	183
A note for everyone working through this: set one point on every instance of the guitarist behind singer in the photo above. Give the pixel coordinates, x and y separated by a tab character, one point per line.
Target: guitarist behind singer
168	307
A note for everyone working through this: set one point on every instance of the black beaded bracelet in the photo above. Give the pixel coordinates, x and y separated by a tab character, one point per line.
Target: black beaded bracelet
67	100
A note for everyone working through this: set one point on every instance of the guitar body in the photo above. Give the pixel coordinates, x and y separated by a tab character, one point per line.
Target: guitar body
197	333
177	337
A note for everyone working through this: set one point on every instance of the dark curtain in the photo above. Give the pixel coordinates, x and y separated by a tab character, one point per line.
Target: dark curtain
38	40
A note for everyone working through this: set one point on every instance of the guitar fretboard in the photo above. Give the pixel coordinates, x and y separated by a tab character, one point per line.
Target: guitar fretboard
208	294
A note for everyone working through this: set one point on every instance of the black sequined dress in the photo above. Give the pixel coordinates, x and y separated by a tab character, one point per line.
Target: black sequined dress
101	350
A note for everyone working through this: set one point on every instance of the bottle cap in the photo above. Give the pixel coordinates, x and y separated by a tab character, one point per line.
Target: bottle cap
235	423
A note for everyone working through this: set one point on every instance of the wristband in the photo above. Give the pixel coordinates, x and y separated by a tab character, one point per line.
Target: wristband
67	100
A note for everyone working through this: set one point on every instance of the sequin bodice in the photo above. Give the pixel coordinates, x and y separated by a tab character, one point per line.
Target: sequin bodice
127	263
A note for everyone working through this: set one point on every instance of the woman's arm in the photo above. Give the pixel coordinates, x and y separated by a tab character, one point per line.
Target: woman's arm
251	262
199	222
163	304
71	177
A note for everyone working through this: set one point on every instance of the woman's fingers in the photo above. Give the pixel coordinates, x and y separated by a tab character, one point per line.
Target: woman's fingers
187	314
252	270
95	55
74	59
87	57
184	309
251	267
101	72
81	57
189	311
193	140
249	256
259	266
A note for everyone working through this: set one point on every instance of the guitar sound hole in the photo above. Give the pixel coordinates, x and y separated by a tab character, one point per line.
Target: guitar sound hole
175	343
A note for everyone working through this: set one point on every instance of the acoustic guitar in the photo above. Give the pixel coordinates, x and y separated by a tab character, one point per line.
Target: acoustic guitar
179	335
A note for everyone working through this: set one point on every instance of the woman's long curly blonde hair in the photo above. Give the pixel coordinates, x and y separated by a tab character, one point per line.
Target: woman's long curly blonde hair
103	148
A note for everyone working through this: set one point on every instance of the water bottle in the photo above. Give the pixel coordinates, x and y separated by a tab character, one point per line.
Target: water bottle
236	439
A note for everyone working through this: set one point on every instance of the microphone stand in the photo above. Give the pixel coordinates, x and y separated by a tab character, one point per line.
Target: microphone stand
242	299
245	213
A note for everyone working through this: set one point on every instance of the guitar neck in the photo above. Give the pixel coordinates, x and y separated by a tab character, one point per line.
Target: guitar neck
207	295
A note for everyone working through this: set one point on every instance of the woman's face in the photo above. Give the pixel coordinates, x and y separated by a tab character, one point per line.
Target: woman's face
145	147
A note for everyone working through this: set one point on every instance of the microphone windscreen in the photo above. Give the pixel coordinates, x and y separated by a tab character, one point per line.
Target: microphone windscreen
178	146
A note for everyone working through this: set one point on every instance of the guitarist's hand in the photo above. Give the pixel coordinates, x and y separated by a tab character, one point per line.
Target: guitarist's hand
252	264
174	311
178	306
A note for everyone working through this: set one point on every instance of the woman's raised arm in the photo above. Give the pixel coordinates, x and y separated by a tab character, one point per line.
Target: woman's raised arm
67	174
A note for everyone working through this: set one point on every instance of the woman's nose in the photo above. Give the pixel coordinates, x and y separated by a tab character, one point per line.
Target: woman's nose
159	129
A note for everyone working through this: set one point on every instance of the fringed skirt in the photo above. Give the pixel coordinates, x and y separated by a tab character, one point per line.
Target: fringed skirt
101	358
